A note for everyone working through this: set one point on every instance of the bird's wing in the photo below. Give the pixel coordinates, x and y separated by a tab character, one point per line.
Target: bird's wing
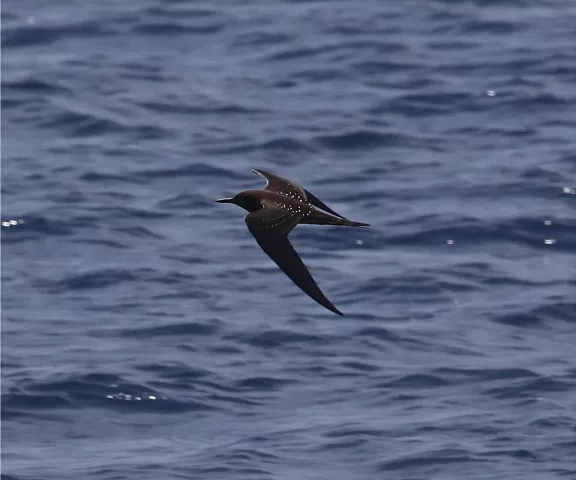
271	220
274	241
283	186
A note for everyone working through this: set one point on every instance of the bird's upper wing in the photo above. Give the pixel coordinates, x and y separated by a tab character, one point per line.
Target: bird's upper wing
273	239
283	186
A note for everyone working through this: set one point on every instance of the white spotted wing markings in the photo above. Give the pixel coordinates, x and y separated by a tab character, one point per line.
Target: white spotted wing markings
277	216
281	185
285	187
272	219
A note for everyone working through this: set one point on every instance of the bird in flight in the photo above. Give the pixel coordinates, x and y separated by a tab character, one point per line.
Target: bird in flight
274	212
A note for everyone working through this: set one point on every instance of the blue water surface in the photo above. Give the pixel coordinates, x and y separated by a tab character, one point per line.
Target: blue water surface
145	335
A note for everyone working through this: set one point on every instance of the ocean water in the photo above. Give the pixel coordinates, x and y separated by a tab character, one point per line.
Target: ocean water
146	336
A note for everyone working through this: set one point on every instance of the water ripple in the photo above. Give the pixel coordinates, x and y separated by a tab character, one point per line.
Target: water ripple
146	335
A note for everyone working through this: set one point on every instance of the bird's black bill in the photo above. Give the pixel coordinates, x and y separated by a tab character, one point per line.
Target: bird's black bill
224	200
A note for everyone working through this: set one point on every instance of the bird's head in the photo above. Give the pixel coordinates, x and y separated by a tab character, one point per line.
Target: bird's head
246	200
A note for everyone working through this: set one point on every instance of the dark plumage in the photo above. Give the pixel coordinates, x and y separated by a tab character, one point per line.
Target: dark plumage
274	212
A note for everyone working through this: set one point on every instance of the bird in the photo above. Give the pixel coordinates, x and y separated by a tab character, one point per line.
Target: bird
272	214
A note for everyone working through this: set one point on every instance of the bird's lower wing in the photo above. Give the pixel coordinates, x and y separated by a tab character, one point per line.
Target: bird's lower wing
280	250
